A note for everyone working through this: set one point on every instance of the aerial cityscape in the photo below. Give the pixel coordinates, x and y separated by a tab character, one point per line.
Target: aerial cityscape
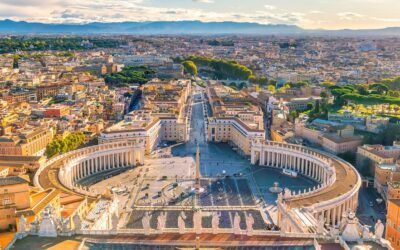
199	124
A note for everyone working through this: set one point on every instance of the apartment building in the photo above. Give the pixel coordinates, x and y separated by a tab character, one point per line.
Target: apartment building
29	142
393	222
234	131
163	116
370	155
14	195
236	119
332	137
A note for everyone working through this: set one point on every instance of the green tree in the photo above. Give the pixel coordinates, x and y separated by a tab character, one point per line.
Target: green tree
61	146
271	88
323	95
394	93
300	84
327	84
293	115
316	108
253	79
390	133
272	82
262	81
190	68
15	61
362	89
380	88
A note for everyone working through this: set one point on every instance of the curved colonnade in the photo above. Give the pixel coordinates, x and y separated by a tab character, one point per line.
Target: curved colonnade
339	182
98	159
336	192
82	163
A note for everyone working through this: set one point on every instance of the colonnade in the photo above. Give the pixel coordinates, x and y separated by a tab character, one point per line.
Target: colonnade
293	157
101	158
319	166
333	214
316	169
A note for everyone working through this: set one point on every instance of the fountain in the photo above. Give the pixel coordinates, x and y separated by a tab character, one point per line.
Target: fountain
276	189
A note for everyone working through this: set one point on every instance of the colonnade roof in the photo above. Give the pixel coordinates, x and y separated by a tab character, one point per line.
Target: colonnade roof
346	179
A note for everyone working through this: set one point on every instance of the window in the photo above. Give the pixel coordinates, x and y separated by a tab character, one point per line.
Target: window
7	201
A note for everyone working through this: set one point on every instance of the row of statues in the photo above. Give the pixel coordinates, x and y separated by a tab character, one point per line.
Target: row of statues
197	222
47	226
352	230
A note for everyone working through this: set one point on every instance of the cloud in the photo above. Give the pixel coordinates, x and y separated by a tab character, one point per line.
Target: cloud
203	1
269	7
279	18
388	20
348	16
25	3
68	14
84	11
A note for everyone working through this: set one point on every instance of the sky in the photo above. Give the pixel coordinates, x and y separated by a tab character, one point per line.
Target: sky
310	14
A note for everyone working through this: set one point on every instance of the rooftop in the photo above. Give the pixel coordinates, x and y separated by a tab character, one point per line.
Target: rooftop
346	179
12	180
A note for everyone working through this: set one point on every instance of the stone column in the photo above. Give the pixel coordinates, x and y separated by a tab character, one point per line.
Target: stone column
91	169
126	159
80	169
334	217
313	170
75	172
328	216
97	163
85	168
339	213
118	161
291	161
262	157
272	158
278	160
285	161
132	158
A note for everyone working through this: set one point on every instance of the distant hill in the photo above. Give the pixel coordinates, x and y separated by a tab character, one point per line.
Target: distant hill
178	27
162	27
389	31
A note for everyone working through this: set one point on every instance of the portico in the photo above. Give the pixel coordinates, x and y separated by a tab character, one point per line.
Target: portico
328	200
93	160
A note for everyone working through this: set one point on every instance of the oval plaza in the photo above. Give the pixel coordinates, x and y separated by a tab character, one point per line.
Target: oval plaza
188	169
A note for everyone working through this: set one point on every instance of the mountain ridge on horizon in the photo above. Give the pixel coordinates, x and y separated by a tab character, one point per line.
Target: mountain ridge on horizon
8	26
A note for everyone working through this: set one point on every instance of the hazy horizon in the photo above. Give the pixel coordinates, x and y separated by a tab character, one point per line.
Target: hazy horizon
307	14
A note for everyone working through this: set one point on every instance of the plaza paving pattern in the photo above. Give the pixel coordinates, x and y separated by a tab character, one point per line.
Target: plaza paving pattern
216	158
231	184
